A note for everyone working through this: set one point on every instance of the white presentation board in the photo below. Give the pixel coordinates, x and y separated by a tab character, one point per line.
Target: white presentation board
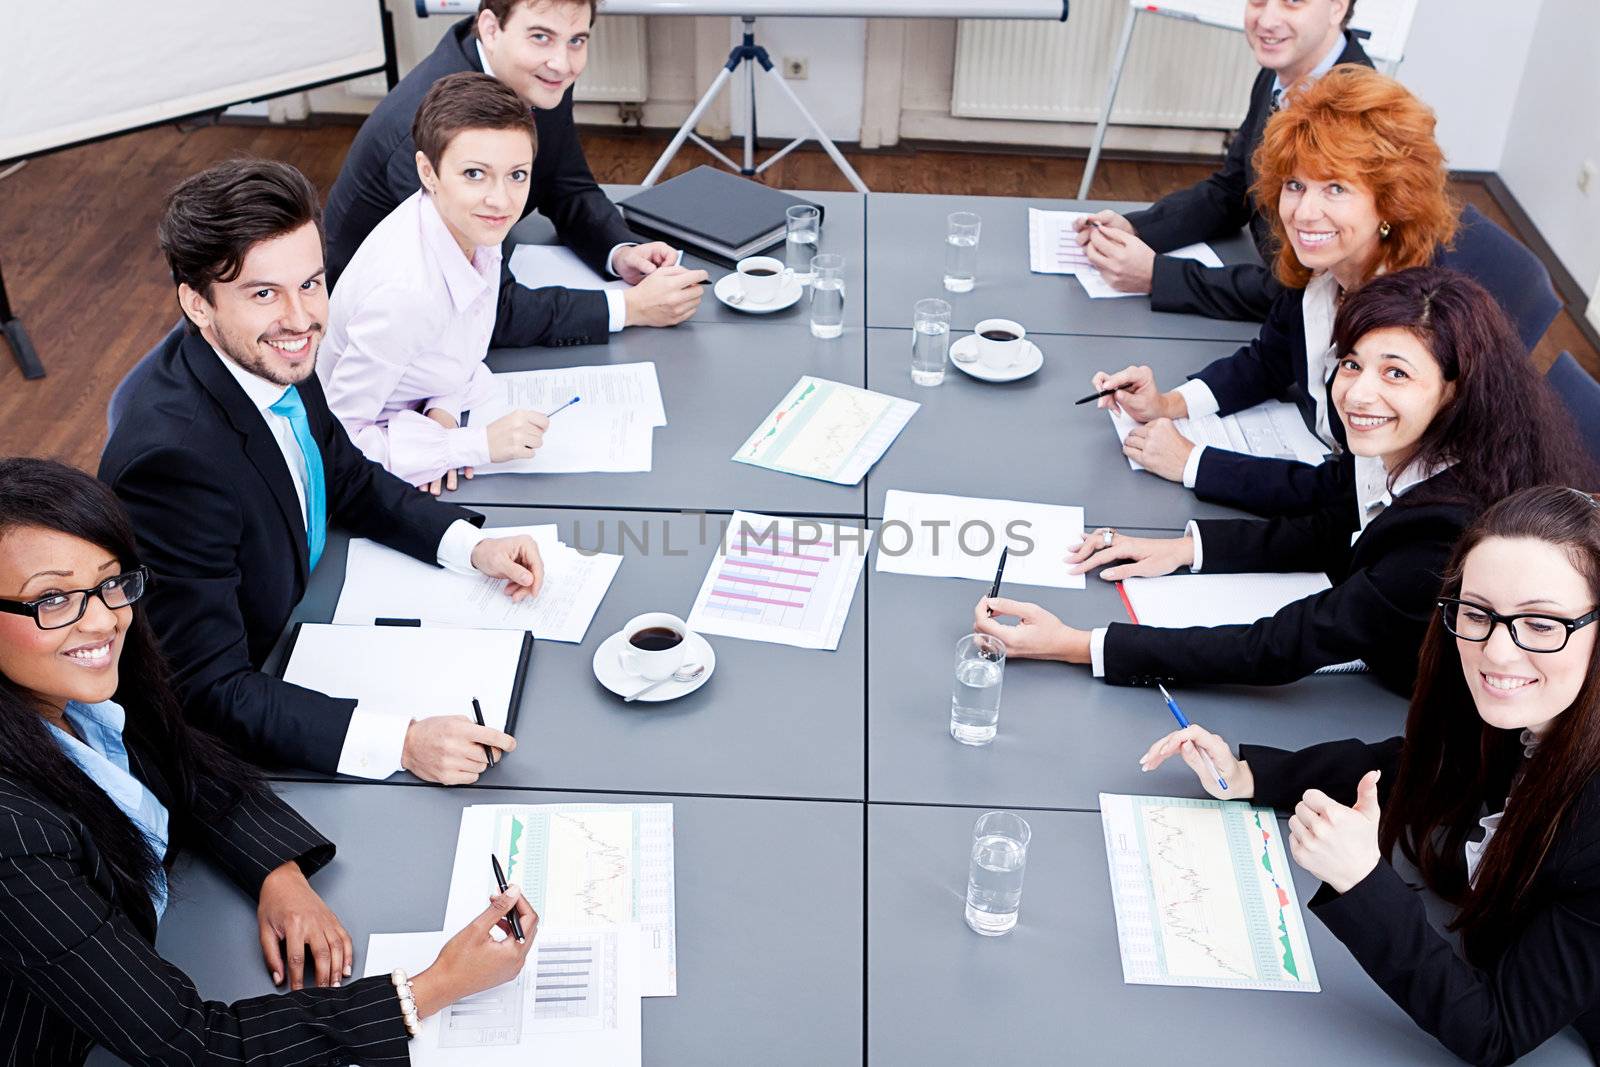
871	9
75	71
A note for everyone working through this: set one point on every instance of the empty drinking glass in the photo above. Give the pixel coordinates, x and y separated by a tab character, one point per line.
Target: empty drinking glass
827	295
804	222
961	252
930	341
975	693
994	880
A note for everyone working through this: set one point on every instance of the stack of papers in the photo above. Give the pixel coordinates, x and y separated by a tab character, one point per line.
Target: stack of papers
380	583
1053	249
612	428
1273	430
961	537
827	430
787	581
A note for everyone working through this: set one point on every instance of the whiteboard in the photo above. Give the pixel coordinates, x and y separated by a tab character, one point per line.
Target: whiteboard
1388	21
873	9
74	70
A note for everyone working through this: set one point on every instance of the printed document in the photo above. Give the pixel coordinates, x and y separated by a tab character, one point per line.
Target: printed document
1273	429
1053	249
961	537
827	430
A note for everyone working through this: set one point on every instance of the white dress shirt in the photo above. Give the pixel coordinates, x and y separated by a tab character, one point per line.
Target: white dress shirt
616	304
1318	308
373	743
1474	850
408	330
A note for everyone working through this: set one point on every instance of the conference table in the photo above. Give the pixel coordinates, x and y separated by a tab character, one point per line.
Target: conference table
822	813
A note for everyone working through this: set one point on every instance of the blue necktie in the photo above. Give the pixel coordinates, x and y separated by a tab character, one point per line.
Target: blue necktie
291	407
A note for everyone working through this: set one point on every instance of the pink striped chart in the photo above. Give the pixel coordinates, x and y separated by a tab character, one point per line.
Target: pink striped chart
770	581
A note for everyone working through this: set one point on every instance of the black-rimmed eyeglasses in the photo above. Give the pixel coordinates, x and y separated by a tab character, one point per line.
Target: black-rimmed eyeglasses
1532	631
67	607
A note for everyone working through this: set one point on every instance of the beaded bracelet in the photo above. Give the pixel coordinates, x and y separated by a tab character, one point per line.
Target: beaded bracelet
408	1001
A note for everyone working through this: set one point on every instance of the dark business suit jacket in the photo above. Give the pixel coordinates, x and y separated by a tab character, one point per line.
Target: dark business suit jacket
218	523
381	171
1384	587
1485	1010
1219	207
78	966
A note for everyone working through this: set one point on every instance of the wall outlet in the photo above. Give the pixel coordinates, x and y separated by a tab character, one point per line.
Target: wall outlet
796	68
1586	176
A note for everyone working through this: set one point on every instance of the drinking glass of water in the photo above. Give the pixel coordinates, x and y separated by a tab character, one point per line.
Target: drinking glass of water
827	295
961	252
930	341
975	693
804	222
994	881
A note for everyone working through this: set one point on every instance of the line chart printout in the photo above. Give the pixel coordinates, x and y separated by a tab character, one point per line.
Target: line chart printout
786	581
581	866
827	430
1204	896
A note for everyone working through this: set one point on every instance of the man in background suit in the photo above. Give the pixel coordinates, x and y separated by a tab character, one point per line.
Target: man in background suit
1291	39
538	48
232	468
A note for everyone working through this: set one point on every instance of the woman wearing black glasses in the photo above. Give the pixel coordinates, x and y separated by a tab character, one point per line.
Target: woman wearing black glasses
101	782
1498	811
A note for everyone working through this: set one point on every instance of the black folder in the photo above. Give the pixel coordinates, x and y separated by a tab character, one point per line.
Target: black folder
719	215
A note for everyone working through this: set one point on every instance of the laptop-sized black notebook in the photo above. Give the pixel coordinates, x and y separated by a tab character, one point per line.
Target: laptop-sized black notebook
718	214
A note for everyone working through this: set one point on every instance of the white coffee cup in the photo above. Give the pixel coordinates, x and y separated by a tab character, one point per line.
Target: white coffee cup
762	288
1000	354
650	660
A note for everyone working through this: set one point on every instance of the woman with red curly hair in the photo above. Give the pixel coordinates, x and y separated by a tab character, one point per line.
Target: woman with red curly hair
1355	184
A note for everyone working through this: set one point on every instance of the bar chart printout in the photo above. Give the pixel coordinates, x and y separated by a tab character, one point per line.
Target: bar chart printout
786	581
1203	895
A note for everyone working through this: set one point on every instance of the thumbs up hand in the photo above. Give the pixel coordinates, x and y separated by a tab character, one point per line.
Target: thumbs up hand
1336	843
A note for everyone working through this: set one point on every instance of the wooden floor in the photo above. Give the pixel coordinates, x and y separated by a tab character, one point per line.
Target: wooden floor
77	238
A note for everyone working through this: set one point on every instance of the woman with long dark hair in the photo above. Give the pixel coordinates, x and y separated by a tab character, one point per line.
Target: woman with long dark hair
101	782
1497	810
1444	415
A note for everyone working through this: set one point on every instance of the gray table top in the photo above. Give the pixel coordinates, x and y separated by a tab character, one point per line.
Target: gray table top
765	975
737	735
1026	440
718	381
1064	735
1051	991
907	232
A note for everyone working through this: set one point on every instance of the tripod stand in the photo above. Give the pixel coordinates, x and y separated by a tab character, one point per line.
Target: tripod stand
748	54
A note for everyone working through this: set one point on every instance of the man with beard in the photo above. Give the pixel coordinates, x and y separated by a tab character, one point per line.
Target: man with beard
233	468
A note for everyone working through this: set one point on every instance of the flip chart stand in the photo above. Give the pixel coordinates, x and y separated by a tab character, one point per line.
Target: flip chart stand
748	54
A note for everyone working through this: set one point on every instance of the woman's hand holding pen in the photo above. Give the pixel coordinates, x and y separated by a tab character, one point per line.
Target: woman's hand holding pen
1137	396
1148	557
1101	220
1037	634
517	435
475	959
1189	742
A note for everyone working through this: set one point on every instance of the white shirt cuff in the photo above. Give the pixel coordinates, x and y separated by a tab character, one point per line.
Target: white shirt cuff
1193	531
1097	652
1191	466
611	257
618	307
455	547
373	744
1199	398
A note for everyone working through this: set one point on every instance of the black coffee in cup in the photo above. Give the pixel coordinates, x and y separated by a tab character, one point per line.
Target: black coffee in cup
761	272
655	639
1002	336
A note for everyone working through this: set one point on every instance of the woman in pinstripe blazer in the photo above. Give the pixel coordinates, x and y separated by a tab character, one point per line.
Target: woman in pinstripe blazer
96	795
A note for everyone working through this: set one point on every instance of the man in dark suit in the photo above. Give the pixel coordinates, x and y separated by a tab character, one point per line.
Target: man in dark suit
538	48
1291	41
232	468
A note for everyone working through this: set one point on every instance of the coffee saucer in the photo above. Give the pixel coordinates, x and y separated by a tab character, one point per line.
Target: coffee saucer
964	354
729	288
608	669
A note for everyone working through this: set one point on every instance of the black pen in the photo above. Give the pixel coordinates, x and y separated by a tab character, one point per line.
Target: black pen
1097	396
511	916
477	713
994	590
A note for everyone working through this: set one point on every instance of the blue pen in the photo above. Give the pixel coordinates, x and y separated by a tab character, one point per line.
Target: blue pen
1183	723
564	407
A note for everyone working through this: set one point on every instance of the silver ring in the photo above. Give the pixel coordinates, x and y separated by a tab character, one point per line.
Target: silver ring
1106	537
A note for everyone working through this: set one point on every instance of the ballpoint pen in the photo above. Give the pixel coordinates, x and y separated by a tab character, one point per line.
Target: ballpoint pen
500	880
477	713
994	590
1183	723
563	407
1097	396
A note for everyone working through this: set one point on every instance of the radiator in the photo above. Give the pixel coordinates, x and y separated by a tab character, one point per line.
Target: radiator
1178	73
618	70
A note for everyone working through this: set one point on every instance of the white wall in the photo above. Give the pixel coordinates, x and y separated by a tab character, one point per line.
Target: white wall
1555	128
836	50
